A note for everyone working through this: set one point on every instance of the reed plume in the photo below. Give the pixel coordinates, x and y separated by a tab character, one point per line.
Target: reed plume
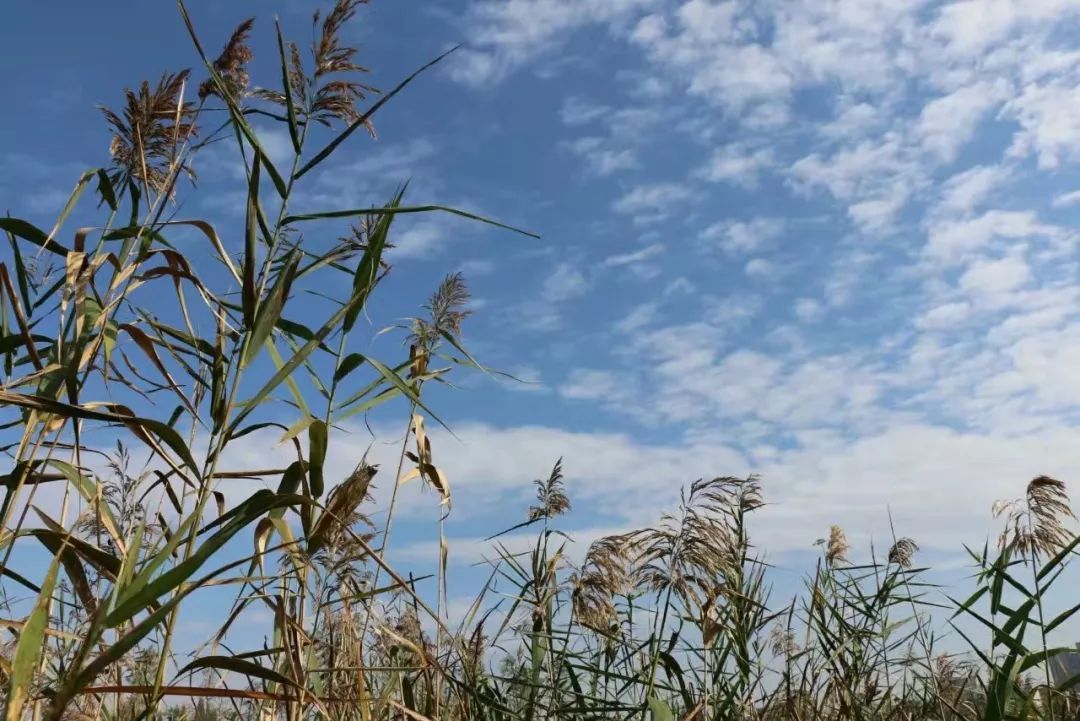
1035	525
148	132
231	65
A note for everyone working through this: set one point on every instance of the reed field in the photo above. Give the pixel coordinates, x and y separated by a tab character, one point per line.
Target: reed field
176	349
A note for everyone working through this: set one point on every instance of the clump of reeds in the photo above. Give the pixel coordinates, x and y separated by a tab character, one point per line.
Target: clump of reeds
673	620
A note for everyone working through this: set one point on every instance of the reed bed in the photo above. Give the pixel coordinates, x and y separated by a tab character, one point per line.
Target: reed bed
175	341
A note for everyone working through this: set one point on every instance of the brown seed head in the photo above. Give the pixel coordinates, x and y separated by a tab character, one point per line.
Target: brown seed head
148	132
902	551
1035	524
231	65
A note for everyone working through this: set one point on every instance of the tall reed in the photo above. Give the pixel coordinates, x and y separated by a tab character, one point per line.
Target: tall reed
176	343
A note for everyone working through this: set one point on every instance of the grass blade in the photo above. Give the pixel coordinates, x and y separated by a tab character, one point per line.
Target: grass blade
30	645
363	119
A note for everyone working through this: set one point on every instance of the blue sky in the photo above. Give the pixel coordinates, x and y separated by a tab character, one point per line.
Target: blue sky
829	241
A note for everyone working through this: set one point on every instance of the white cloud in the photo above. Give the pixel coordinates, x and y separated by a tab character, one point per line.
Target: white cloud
933	483
600	159
847	172
1046	363
579	111
702	43
543	312
1064	200
396	162
591	384
848	271
965	311
420	240
697	384
764	269
477	266
639	317
993	279
727	314
853	120
937	484
635	256
630	123
878	214
680	286
808	310
966	190
1049	117
947	123
951	241
277	145
860	45
736	237
876	177
645	86
737	164
566	282
652	202
507	34
944	316
476	67
538	316
971	26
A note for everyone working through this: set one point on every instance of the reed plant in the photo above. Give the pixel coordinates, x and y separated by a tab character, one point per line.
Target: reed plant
176	340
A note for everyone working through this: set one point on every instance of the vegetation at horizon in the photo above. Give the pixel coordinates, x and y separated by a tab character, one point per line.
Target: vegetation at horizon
129	330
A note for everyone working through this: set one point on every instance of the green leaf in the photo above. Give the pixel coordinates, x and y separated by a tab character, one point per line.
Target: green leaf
404	387
30	645
1040	657
286	86
363	119
1062	618
231	523
21	274
317	441
297	428
211	235
79	679
1058	560
198	345
298	358
404	210
54	535
350	363
270	308
234	110
90	493
105	189
367	270
251	234
35	235
363	392
290	382
291	478
80	186
138	425
127	585
659	710
236	665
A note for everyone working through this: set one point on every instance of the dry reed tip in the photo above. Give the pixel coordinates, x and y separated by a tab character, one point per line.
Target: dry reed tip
231	65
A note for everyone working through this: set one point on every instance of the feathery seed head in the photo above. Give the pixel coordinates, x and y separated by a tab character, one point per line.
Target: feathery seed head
231	65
